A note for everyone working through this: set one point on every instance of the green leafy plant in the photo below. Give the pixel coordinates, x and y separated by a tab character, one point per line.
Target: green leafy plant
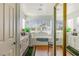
27	29
68	29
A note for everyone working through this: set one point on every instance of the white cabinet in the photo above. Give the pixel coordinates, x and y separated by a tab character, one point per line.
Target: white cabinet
73	41
24	43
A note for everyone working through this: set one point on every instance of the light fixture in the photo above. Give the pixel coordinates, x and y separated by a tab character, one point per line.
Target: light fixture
41	4
39	9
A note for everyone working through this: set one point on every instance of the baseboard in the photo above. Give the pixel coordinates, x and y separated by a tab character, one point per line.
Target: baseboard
41	45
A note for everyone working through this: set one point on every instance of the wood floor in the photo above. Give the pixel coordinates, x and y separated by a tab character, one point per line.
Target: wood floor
45	51
41	51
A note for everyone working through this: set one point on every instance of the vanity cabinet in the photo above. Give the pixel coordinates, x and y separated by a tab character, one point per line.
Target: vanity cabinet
24	43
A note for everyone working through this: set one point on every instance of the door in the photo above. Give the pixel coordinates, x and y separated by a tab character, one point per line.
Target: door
7	29
60	15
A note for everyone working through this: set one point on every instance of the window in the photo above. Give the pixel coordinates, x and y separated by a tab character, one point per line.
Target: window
23	23
70	25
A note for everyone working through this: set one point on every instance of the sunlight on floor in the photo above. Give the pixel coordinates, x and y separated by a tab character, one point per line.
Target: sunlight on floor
44	51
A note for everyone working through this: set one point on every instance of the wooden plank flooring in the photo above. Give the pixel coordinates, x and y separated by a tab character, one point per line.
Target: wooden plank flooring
41	51
59	52
45	51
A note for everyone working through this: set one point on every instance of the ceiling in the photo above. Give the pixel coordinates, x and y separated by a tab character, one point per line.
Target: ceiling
37	8
72	10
